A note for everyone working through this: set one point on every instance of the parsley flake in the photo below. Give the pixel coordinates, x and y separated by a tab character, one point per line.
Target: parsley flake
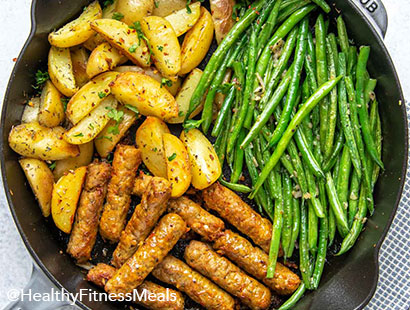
172	157
166	82
141	36
65	101
107	3
117	16
160	47
132	108
52	166
191	124
133	48
79	135
102	94
117	116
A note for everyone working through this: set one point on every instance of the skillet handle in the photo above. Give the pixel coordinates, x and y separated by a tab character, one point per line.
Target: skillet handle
39	284
375	12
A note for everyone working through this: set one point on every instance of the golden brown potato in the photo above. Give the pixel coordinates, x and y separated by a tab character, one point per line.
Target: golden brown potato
134	10
183	20
36	141
79	57
91	125
51	111
60	68
89	96
31	110
178	165
41	181
95	40
165	7
77	31
104	58
72	163
197	42
164	44
110	9
147	95
222	11
125	39
205	166
107	139
66	193
149	140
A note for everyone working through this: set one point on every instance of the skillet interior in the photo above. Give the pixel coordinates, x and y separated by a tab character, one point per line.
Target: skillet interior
348	282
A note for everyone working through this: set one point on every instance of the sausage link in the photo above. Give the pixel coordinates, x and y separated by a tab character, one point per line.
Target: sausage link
199	220
231	207
145	216
255	261
84	233
173	300
125	164
220	270
141	183
175	272
162	239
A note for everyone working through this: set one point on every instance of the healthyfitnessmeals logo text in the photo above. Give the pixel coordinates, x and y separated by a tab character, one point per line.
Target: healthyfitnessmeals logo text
88	294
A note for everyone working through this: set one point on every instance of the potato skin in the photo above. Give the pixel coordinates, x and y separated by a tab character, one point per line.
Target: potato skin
197	42
222	16
104	58
182	20
35	141
41	181
146	94
51	111
134	10
165	7
60	69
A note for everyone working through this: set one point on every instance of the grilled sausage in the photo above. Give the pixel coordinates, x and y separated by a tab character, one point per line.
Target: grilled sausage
220	270
100	274
84	233
231	207
255	261
175	272
145	216
125	164
199	220
141	183
162	239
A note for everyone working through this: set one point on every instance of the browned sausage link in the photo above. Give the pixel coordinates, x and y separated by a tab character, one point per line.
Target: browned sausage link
255	261
175	272
85	228
220	270
145	216
231	207
125	164
199	220
162	239
165	298
141	183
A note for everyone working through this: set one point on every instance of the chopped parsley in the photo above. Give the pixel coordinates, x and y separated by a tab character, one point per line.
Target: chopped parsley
141	36
172	157
156	4
52	166
188	9
191	124
65	101
133	48
117	116
107	3
41	78
132	108
180	113
166	82
79	135
160	47
117	16
91	126
102	94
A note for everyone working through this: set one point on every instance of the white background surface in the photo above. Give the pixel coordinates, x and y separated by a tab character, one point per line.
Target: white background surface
15	261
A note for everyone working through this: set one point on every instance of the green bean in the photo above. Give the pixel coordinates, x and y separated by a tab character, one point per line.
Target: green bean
295	225
288	3
296	296
273	187
311	51
238	160
331	38
323	5
313	222
310	73
343	38
285	13
353	197
287	164
268	27
287	215
369	90
337	148
352	61
316	204
220	53
307	154
237	50
378	140
239	73
357	226
235	187
361	104
304	264
342	185
226	106
264	15
221	140
303	111
321	252
306	123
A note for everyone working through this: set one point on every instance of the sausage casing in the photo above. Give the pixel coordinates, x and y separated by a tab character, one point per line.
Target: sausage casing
145	216
199	220
84	233
255	262
175	272
220	270
231	207
173	300
125	164
161	240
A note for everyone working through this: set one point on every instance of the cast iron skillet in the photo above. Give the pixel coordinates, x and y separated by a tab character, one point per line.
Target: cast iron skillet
348	281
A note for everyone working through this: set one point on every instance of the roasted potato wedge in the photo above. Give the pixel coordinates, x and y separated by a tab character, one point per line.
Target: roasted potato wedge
66	193
205	166
125	39
222	11
91	125
77	31
165	7
51	113
41	181
31	110
197	42
184	97
79	58
183	20
72	163
110	9
104	58
172	86
149	140
178	165
89	96
35	141
107	140
134	10
164	44
60	68
146	94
